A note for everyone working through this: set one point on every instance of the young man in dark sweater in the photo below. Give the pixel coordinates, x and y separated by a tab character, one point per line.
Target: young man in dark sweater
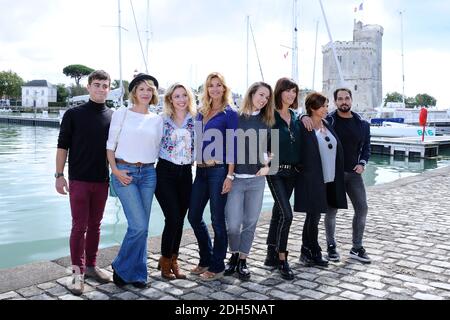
83	135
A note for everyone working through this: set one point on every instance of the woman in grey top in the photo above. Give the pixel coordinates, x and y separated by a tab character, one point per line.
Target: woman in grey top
321	181
244	202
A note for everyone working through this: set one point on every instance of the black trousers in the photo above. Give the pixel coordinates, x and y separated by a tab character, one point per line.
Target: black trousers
173	192
281	186
311	232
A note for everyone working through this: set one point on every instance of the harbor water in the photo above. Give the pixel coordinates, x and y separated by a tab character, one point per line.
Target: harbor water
35	221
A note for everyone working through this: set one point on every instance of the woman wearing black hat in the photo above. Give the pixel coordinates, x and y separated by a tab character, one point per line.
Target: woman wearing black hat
132	149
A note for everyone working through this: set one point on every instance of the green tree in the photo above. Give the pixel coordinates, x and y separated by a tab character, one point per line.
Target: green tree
77	91
10	84
393	97
77	71
423	99
61	92
410	102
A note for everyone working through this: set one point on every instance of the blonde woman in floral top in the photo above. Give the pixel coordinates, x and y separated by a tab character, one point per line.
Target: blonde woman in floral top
174	173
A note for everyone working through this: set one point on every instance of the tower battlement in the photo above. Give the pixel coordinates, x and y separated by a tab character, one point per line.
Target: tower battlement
361	63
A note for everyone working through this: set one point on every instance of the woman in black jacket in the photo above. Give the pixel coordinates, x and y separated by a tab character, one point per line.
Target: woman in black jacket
321	181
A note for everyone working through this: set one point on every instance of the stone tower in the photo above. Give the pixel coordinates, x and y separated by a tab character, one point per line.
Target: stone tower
361	64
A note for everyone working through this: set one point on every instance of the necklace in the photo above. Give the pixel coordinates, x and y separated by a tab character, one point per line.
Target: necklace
286	118
211	115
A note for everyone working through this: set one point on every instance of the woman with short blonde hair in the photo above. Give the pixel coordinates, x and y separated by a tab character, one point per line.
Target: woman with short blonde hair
132	149
155	99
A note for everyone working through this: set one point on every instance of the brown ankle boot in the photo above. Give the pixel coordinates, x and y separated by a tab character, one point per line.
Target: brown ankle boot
165	265
176	268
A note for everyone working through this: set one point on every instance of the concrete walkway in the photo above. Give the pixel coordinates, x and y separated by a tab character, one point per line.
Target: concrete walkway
407	236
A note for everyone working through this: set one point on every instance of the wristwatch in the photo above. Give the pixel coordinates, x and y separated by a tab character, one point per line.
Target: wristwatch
59	174
231	177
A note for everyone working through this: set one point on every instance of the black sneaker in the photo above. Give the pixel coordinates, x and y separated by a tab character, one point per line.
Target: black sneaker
360	254
333	255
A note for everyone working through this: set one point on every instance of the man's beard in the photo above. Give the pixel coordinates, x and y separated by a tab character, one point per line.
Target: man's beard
344	108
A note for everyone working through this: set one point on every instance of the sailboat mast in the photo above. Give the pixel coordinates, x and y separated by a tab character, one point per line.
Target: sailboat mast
256	50
403	58
338	64
294	43
120	57
148	31
248	35
315	56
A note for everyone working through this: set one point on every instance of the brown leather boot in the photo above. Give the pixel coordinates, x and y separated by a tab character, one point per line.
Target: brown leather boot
165	265
176	268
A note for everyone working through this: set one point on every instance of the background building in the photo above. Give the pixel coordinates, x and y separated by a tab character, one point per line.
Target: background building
40	91
361	64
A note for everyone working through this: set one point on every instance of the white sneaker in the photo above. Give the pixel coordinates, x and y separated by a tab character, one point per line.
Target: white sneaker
77	284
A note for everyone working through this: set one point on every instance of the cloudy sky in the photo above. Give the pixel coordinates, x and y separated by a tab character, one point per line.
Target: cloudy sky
189	39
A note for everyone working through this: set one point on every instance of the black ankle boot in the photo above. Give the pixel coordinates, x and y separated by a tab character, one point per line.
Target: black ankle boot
272	257
118	281
285	270
306	257
242	269
318	260
231	266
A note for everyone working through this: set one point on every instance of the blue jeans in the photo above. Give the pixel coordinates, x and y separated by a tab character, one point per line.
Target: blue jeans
136	198
242	212
208	185
354	186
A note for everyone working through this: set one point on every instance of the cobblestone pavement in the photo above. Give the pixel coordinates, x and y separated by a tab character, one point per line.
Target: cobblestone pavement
407	237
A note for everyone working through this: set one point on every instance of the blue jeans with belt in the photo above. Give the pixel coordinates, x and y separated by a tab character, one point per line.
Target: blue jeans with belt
136	198
208	186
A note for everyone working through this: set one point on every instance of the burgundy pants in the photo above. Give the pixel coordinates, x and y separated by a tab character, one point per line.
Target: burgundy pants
87	202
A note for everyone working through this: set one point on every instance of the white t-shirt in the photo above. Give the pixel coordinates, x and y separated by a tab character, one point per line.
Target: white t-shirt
140	137
327	149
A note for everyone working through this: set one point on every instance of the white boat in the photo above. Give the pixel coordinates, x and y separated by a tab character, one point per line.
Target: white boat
394	129
411	115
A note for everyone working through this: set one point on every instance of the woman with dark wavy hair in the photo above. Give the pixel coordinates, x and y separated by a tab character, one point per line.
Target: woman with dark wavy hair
282	183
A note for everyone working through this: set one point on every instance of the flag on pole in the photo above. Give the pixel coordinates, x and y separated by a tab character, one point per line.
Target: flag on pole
360	7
